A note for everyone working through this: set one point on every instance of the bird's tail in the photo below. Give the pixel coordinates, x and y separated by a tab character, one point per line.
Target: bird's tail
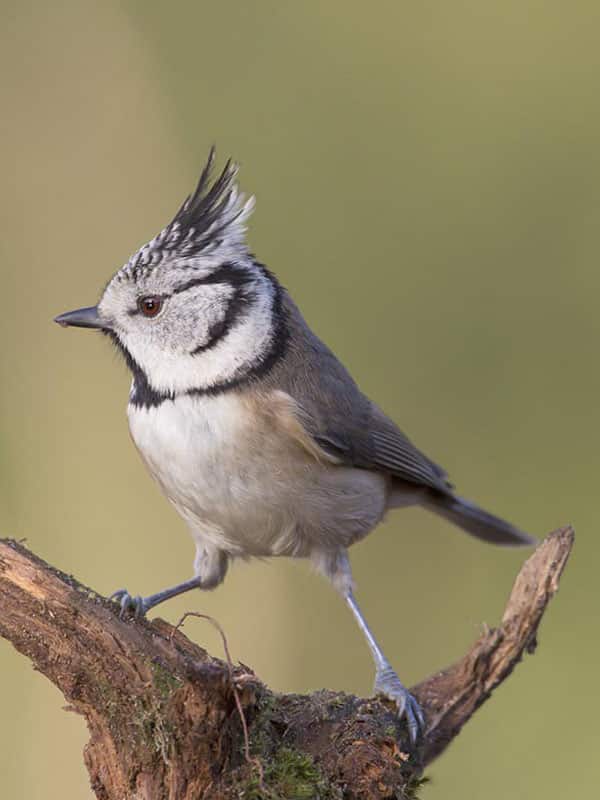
476	521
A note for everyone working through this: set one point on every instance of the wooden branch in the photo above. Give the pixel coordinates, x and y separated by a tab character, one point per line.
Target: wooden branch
167	720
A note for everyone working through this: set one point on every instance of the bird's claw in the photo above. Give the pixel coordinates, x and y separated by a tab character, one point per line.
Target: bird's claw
129	603
388	684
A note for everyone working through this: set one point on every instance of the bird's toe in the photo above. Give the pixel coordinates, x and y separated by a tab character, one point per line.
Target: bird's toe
388	684
129	603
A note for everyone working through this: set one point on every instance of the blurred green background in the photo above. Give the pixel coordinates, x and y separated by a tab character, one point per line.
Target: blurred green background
428	186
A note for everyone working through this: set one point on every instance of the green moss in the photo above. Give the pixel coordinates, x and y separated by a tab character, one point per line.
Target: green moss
261	730
150	719
147	727
289	775
413	786
152	729
164	680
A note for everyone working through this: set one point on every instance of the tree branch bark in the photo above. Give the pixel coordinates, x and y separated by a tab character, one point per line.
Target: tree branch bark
167	720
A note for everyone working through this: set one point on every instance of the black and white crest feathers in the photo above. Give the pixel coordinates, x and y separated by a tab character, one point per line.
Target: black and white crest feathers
210	223
213	213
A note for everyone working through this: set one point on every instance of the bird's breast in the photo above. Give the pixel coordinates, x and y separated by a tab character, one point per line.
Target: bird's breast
243	479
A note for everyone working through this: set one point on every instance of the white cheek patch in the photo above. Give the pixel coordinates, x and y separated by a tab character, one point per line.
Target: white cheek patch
180	356
212	311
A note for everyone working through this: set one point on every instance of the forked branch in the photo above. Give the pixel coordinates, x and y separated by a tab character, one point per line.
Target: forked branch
165	718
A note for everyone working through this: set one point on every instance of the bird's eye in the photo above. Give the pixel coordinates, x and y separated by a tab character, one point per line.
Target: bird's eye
150	306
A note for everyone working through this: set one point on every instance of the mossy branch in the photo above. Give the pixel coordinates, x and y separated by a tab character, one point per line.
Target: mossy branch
165	717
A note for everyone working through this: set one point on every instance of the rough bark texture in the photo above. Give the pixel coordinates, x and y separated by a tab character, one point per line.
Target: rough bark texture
167	720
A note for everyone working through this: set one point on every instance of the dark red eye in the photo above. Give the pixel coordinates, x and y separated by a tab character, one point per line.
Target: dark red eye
150	306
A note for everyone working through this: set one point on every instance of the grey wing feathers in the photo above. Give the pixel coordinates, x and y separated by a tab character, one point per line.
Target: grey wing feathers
382	446
341	418
396	453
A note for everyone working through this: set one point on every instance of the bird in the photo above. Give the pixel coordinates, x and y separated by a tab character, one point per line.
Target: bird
254	430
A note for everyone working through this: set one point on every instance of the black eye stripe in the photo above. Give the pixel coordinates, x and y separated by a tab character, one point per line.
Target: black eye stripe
226	273
229	274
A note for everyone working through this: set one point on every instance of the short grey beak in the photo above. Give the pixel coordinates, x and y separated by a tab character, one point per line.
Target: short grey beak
82	318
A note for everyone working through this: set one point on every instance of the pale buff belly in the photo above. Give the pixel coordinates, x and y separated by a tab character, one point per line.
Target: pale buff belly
245	488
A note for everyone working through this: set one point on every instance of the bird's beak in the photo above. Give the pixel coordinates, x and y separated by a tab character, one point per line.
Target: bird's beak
81	318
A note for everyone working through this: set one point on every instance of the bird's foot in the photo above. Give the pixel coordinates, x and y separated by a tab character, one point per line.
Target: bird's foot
136	605
388	684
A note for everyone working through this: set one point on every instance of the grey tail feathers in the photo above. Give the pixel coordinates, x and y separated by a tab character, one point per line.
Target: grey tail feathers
476	521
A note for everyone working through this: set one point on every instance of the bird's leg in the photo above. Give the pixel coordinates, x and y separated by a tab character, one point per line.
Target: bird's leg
210	567
387	682
141	605
336	566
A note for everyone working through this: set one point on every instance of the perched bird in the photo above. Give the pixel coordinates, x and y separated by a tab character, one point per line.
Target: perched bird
254	430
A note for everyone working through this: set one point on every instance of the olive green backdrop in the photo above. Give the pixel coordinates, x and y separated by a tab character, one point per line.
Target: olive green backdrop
428	186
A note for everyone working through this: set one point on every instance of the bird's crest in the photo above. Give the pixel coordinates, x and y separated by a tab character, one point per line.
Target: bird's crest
211	219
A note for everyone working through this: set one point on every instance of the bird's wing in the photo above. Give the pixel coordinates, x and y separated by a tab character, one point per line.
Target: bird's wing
380	445
341	419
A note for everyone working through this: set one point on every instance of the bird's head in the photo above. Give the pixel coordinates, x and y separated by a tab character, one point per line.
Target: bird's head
192	311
